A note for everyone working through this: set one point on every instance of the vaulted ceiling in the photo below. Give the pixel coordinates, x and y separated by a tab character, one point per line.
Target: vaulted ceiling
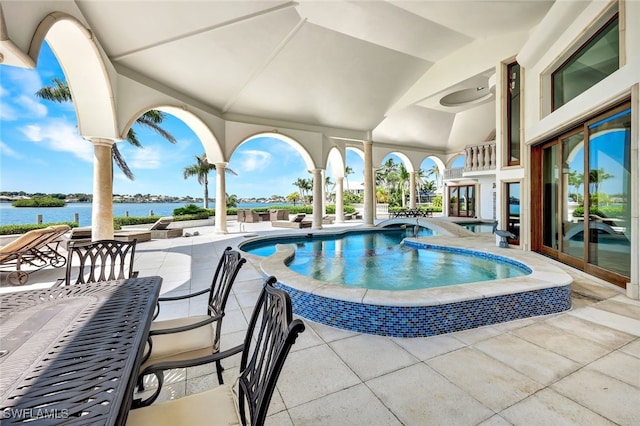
415	73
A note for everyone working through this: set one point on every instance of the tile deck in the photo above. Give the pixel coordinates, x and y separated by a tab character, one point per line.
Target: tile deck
577	367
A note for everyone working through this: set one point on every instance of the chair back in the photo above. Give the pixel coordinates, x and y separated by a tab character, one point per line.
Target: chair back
228	266
270	335
102	260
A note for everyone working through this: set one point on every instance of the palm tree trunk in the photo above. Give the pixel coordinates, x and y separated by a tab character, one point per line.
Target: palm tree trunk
205	203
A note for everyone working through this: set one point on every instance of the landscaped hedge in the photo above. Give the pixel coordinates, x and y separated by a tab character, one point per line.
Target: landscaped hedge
330	208
21	229
602	211
120	221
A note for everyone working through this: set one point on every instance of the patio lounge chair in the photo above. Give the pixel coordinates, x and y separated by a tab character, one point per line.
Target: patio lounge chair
270	335
278	214
103	260
195	340
159	230
82	234
296	222
37	248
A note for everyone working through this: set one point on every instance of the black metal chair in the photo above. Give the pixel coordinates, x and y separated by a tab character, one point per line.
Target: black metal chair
195	340
270	335
97	261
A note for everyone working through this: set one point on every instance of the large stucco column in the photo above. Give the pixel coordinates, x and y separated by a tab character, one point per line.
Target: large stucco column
412	190
102	209
339	200
221	199
317	198
369	184
324	192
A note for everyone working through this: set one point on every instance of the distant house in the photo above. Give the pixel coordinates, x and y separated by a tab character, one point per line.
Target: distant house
356	187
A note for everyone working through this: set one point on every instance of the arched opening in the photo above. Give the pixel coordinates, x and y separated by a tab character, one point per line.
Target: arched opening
273	163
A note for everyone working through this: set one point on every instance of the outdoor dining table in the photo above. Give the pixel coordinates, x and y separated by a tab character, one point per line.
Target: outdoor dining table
69	355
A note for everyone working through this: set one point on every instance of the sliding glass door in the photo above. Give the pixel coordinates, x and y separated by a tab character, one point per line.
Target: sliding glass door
582	190
462	201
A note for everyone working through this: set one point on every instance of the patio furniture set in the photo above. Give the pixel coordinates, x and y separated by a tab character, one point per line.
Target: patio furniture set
97	331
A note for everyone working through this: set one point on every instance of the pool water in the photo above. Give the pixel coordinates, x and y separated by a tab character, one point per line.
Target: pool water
378	260
477	226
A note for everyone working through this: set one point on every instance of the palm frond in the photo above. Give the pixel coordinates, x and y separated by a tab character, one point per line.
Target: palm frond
152	124
58	92
121	163
132	138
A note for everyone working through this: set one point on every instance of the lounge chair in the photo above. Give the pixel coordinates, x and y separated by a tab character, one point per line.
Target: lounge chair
271	333
37	248
278	214
159	230
82	234
295	222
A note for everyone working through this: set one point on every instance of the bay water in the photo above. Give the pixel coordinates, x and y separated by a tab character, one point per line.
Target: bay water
10	215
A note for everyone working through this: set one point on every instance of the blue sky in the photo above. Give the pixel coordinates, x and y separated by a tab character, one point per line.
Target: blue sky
40	150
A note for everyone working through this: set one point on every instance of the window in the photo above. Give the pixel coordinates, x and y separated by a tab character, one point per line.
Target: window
462	201
513	114
512	193
598	58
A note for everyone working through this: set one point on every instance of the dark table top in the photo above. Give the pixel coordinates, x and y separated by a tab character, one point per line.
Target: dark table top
69	355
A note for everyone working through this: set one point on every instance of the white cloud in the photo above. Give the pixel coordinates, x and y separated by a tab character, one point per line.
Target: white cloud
32	132
60	135
23	81
254	160
3	91
33	107
6	150
7	112
146	158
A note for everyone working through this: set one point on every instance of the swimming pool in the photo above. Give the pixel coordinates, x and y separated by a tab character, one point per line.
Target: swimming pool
424	312
477	226
379	260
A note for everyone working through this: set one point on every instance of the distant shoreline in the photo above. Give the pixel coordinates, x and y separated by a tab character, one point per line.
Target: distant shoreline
10	215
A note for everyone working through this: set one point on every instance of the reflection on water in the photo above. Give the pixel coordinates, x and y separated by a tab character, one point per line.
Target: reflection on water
378	260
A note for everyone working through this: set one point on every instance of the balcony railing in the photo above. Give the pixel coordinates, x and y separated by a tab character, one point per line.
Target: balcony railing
477	158
480	157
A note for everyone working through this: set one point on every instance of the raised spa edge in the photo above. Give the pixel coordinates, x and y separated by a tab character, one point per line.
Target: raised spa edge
427	312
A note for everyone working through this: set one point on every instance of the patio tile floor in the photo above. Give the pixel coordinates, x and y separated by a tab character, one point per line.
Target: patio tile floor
574	368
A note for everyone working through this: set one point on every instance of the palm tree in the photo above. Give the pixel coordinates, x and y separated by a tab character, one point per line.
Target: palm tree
201	170
232	200
60	92
435	171
294	197
420	180
576	180
300	184
348	171
596	177
403	181
429	186
307	187
388	176
327	184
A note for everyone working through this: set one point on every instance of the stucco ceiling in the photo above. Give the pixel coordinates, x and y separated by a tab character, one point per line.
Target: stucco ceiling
351	65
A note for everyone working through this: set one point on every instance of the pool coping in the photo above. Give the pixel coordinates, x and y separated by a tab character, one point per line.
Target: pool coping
426	312
543	275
